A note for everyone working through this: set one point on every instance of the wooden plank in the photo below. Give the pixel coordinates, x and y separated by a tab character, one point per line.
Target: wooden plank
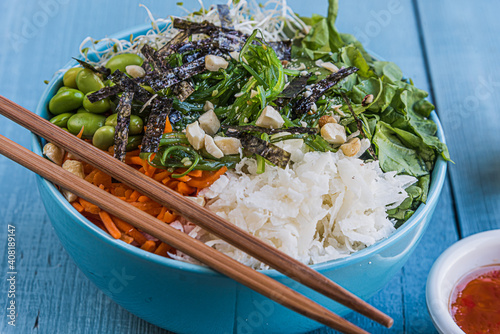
462	44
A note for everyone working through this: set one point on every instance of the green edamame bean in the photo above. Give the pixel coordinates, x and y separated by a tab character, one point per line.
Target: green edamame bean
65	101
119	62
87	81
90	123
133	142
61	120
104	137
69	77
81	110
136	124
63	89
97	107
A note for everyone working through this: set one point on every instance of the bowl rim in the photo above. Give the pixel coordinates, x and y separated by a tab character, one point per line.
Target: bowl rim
438	176
440	314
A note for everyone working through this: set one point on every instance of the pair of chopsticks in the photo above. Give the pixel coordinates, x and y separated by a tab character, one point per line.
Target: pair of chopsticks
191	211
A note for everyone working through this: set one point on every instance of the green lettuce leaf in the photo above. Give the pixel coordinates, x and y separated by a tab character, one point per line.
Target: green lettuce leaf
394	155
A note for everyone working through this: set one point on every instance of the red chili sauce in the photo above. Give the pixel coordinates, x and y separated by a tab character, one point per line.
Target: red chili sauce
475	301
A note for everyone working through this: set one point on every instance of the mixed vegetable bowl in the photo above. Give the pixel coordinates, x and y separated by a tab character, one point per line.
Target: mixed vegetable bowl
190	103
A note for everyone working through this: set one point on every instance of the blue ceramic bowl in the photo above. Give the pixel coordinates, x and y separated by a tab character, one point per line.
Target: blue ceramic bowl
187	298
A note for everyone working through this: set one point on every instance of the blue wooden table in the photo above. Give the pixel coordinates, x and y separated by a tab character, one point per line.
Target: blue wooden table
448	47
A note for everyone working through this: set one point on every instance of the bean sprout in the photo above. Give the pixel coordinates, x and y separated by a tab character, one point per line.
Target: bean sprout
247	15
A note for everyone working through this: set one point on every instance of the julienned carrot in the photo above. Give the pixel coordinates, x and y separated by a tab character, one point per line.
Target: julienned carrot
143	199
184	189
206	181
184	178
89	207
196	173
79	135
87	168
169	217
146	206
130	230
90	177
168	126
133	153
102	178
150	170
171	183
134	196
193	173
128	192
162	175
119	191
134	161
149	246
110	225
128	239
122	225
77	206
162	249
154	211
162	213
188	185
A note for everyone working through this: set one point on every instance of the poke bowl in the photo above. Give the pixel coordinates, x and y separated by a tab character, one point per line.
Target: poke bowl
189	298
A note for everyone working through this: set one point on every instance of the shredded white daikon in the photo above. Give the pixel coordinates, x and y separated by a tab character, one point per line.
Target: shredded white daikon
326	206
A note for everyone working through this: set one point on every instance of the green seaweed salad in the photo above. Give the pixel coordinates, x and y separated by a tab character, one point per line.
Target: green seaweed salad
229	94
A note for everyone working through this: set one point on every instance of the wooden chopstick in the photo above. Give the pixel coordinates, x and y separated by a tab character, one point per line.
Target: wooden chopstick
188	245
191	211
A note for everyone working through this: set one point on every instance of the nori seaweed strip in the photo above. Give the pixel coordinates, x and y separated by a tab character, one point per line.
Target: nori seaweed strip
183	90
186	71
303	105
248	128
269	151
295	87
177	74
103	93
124	110
171	46
103	70
154	59
229	39
204	27
206	43
156	124
283	49
225	17
127	84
